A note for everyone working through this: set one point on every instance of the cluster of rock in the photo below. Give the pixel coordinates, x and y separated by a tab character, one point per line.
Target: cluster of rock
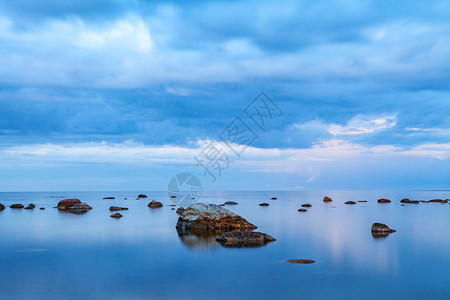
74	206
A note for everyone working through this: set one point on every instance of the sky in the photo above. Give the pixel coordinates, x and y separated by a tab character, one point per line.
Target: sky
124	95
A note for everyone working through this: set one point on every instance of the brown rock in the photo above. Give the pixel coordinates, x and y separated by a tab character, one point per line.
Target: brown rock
362	200
85	205
438	201
273	198
240	239
42	208
327	199
30	206
117	208
383	200
67	203
155	204
208	218
231	203
16	206
306	205
302	210
405	200
142	196
350	202
116	216
109	198
301	261
264	204
381	230
414	202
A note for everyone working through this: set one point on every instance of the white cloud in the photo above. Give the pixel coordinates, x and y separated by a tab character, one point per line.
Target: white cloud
362	125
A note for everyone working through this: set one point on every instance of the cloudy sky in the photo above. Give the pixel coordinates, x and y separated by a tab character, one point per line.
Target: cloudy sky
122	95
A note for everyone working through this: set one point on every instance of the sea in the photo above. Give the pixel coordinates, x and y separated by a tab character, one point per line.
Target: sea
49	254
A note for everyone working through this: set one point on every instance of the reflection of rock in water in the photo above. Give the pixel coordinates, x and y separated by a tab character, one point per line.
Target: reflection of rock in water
198	241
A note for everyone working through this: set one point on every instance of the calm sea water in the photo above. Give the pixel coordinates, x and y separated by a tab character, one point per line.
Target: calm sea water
46	254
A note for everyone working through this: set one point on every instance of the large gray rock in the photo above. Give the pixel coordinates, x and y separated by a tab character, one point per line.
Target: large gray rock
202	217
244	239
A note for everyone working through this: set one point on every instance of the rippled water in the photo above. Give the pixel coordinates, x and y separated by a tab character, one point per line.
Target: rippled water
47	254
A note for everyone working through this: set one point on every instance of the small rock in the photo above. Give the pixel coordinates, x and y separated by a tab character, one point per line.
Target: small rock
42	208
173	205
30	206
125	198
302	210
327	199
438	201
85	205
362	200
109	198
173	196
306	205
117	208
17	206
78	209
264	204
142	196
2	207
414	202
273	198
383	200
155	204
301	261
405	200
180	210
381	230
350	202
240	239
67	203
116	216
222	204
172	208
231	203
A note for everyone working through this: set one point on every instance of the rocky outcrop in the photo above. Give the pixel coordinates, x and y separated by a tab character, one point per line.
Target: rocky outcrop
116	216
155	204
67	203
264	204
244	239
30	206
2	207
16	206
301	261
381	230
384	200
142	196
202	217
327	199
405	200
117	208
78	209
350	202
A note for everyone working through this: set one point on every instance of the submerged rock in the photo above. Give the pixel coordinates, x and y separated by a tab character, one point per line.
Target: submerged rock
142	196
202	217
117	208
116	216
17	206
381	230
78	209
231	203
42	208
306	205
350	202
67	203
405	200
2	207
327	199
274	198
109	198
30	206
155	204
300	261
384	200
264	204
240	239
302	210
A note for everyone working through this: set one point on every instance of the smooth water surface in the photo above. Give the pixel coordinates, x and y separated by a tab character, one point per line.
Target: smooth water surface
47	254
